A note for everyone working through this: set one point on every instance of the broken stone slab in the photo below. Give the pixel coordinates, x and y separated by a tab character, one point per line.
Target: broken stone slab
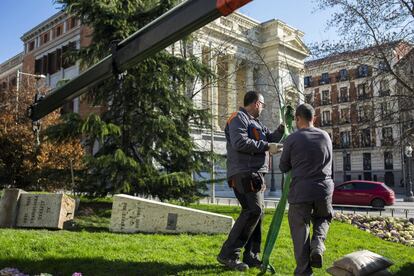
8	207
45	210
133	214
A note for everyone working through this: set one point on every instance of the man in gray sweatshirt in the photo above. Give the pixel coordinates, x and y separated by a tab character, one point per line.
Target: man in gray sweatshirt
308	154
249	143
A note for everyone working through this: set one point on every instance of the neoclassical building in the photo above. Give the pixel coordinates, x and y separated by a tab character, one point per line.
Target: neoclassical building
248	55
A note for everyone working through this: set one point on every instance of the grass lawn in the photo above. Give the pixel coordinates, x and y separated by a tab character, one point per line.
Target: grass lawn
89	248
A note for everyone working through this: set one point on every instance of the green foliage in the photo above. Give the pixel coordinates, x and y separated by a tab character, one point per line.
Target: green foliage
92	250
144	136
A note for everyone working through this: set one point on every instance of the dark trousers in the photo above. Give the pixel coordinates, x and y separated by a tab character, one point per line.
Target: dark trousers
247	230
300	215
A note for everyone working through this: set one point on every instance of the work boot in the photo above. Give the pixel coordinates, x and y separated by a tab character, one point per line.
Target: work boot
252	261
316	259
233	263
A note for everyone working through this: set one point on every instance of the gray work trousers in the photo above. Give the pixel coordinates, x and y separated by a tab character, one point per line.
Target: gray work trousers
300	215
247	230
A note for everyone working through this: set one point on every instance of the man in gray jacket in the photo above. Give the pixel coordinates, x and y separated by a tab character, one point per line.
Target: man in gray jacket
308	153
249	143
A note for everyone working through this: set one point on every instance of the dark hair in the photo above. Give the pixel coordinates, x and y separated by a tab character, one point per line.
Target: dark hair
251	97
305	111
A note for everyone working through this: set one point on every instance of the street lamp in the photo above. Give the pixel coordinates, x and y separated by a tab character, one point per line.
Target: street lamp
19	73
409	189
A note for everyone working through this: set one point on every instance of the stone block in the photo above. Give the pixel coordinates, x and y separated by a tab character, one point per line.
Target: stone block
132	214
8	207
45	210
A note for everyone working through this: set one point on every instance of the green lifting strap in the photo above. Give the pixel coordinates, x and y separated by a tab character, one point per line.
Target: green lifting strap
273	233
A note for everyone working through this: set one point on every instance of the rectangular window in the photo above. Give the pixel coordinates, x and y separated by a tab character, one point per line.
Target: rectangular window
366	137
72	22
343	97
345	116
308	81
45	38
362	91
44	65
347	161
345	139
326	118
325	97
363	71
38	66
385	110
52	63
387	139
367	161
58	31
388	160
343	75
31	45
324	79
361	114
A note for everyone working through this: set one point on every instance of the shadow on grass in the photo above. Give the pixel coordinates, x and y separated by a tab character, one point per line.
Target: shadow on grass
67	266
406	270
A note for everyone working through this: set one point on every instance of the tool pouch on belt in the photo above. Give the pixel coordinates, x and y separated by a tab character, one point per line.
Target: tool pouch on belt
247	183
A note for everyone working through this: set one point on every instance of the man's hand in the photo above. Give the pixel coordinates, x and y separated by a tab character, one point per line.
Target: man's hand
275	148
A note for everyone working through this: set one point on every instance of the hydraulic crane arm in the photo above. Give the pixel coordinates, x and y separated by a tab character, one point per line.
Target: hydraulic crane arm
154	37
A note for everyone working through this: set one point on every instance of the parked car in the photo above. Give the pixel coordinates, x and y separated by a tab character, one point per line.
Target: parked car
362	192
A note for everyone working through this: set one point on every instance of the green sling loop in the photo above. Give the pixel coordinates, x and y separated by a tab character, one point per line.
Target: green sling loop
287	111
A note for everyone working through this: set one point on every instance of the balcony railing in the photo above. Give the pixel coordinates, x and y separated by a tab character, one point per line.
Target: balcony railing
324	81
345	145
364	96
326	123
326	102
366	144
343	99
387	142
342	78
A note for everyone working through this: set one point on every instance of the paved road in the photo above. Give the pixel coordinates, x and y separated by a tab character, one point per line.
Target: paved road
400	209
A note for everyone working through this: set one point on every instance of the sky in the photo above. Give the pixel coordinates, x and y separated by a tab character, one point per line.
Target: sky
19	16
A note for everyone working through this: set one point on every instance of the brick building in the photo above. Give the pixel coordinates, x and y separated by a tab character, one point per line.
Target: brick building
354	95
46	47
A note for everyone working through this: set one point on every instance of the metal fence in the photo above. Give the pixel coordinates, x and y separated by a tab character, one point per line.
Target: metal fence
403	212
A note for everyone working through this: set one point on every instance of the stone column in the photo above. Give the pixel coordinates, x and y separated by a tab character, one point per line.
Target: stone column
231	85
198	85
249	77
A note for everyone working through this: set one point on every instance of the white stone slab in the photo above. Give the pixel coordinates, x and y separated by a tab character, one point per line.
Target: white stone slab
133	214
8	207
45	210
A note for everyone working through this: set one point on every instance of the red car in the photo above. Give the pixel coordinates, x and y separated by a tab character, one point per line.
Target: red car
362	192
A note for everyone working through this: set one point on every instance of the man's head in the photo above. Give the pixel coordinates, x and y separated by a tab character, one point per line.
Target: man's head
304	116
254	103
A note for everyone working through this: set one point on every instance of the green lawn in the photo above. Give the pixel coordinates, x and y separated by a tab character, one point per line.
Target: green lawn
89	248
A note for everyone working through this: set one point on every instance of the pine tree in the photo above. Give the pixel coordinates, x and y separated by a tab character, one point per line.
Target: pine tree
145	142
